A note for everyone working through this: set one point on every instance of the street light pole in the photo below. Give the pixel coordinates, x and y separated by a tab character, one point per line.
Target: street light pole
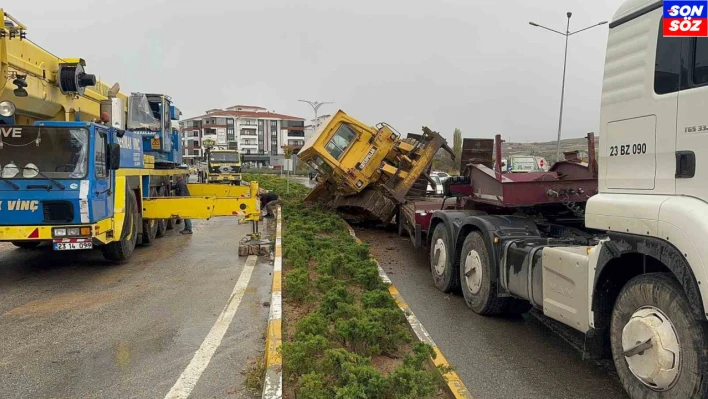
316	106
567	34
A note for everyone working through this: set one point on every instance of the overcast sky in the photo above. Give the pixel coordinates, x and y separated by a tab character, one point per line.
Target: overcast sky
473	64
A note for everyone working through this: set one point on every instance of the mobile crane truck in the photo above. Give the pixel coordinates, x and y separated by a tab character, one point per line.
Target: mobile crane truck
223	166
613	249
83	165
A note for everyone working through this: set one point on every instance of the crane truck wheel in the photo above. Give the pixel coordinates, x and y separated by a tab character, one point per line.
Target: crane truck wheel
660	350
162	223
475	277
26	244
446	279
149	232
119	251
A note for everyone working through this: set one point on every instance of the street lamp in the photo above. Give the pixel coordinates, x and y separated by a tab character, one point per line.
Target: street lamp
567	34
315	106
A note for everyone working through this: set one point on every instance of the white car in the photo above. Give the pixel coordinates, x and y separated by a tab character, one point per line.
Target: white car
442	175
438	190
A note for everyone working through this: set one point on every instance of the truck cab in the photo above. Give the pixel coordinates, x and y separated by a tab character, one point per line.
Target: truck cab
57	181
223	166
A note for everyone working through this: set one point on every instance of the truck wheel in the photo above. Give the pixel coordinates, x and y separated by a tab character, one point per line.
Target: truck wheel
149	232
476	277
660	350
119	251
26	244
162	223
446	279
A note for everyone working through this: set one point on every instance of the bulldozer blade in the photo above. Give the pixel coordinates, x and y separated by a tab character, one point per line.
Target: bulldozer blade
370	205
319	193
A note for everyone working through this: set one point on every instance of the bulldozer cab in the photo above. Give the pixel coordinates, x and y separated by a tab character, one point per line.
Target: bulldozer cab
348	152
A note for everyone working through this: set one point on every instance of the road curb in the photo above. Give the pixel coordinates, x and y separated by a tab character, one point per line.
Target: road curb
454	386
273	384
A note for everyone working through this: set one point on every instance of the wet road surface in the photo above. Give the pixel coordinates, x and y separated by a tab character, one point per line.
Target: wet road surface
519	357
74	326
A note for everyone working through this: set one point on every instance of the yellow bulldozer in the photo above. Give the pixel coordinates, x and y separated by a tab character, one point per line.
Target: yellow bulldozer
365	172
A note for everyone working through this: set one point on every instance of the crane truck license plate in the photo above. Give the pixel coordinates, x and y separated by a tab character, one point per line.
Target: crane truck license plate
72	246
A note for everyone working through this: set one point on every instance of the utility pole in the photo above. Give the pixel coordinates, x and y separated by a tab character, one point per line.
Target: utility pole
567	34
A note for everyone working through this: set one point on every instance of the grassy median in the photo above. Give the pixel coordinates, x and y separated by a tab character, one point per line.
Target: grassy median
344	336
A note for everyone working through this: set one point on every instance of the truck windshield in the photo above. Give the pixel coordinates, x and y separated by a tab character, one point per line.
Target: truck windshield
340	141
224	157
57	153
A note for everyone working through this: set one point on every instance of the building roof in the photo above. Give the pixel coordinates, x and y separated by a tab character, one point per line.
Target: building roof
247	114
245	106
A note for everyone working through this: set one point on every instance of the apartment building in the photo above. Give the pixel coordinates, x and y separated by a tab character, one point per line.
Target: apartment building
257	133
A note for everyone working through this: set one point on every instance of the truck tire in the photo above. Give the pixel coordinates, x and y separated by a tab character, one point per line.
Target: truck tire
26	244
479	291
149	232
162	223
660	350
446	279
120	251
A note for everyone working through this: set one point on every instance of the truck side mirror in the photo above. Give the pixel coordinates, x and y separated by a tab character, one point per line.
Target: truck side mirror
113	156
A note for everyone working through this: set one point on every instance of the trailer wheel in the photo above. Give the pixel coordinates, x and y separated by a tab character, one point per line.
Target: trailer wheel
660	350
162	223
476	277
446	279
119	251
26	244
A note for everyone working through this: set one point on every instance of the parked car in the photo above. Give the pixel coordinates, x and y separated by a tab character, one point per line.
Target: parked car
438	190
442	175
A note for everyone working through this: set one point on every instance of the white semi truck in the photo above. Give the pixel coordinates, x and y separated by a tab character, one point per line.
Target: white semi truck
615	249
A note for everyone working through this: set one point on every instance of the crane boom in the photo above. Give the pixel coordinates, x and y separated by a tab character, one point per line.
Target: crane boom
57	89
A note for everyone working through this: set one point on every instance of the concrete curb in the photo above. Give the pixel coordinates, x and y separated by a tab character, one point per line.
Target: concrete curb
454	386
273	384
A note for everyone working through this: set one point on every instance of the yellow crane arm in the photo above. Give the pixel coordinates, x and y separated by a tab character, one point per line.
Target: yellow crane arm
49	91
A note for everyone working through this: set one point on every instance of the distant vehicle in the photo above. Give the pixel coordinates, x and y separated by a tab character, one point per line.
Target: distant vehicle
438	190
522	164
442	175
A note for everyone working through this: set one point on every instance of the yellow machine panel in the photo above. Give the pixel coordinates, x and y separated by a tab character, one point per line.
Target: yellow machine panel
47	97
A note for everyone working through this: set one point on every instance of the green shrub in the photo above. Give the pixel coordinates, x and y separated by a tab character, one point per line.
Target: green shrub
354	316
312	386
313	324
297	284
302	355
378	299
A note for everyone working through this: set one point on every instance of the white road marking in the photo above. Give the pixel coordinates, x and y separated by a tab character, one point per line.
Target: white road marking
188	380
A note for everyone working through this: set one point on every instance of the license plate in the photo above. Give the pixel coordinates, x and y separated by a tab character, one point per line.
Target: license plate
72	246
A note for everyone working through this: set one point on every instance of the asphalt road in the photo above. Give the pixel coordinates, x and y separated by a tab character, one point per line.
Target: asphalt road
74	326
518	357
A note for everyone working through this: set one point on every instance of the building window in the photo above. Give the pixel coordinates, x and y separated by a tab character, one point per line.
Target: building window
230	136
274	137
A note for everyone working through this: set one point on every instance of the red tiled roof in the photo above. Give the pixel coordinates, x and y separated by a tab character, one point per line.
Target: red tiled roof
249	114
246	106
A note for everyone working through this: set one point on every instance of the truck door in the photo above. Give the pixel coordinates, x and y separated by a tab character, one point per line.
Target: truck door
101	194
639	101
692	125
